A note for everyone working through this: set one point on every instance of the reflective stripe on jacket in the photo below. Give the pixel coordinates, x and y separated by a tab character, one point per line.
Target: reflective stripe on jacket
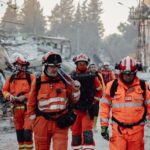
51	97
127	105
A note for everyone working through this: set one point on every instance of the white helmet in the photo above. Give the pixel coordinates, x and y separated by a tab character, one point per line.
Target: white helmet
106	63
81	57
128	64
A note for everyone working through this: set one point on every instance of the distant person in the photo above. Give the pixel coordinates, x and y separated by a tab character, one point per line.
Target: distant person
107	73
94	69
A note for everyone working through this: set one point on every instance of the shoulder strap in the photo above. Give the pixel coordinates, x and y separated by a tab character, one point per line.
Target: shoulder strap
113	88
38	84
28	76
115	85
143	87
12	77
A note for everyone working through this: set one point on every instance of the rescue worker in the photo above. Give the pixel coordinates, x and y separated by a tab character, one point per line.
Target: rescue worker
48	105
128	98
107	74
16	90
93	68
91	91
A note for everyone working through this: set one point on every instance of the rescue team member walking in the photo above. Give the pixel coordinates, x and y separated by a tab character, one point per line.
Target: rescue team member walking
48	105
91	91
16	90
129	99
93	68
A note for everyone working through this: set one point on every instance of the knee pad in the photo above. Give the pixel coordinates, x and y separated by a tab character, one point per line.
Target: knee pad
76	140
88	137
20	135
27	135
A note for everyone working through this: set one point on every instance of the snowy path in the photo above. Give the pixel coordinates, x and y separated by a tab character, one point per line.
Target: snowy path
8	140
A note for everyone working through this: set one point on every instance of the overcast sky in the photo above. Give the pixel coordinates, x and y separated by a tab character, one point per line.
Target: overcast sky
112	16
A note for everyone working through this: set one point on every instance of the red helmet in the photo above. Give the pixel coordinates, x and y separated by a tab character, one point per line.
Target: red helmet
17	58
81	57
128	64
51	58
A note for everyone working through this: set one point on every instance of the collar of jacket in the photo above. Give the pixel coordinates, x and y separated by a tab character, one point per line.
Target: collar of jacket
135	82
20	74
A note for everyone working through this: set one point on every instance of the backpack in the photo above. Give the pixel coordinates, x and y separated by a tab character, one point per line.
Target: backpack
112	94
28	78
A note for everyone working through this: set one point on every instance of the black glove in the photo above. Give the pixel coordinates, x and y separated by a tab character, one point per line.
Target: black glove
104	133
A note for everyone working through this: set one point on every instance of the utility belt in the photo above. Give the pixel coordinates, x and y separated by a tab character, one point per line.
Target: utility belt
63	121
49	115
125	125
20	105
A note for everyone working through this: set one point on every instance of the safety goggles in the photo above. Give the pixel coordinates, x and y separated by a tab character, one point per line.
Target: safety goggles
54	65
128	73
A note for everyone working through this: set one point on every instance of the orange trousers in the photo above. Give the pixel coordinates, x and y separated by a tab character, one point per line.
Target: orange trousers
23	127
47	130
82	135
127	141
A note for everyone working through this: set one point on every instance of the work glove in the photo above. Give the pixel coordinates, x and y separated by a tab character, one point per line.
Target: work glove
21	98
76	85
104	133
12	98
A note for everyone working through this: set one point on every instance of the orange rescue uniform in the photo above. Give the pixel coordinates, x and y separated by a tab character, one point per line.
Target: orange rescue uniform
82	135
127	106
20	86
52	97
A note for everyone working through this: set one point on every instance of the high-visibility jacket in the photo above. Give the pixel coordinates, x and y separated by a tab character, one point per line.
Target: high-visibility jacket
53	96
127	105
18	86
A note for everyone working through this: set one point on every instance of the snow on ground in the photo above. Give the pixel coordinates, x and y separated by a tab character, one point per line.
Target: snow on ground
8	138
